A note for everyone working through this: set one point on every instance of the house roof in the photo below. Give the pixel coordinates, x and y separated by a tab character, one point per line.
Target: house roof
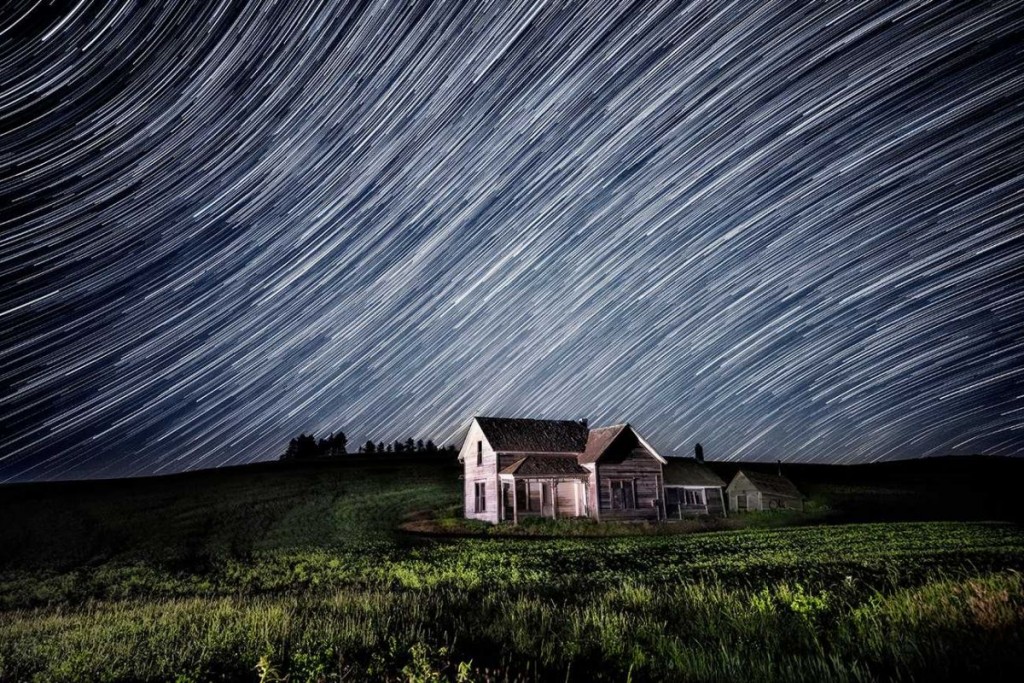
598	442
689	472
518	435
775	484
545	466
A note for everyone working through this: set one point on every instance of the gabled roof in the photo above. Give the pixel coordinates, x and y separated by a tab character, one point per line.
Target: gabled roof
545	466
600	440
689	472
518	435
775	484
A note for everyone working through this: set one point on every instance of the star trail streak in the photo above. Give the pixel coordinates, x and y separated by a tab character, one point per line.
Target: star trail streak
786	230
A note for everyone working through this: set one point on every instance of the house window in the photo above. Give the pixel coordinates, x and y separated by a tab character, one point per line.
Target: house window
480	496
479	453
622	494
693	496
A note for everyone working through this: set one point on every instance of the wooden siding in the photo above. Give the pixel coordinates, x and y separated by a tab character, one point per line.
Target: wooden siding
486	472
592	497
628	461
566	498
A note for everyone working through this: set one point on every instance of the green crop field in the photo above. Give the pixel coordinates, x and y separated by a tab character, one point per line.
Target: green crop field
302	574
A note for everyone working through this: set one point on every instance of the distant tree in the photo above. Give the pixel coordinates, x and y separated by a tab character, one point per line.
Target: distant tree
292	451
431	447
389	448
306	447
370	447
337	445
399	447
380	447
419	445
410	445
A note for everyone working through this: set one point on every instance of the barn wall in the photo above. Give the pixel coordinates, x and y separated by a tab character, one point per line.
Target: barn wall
487	472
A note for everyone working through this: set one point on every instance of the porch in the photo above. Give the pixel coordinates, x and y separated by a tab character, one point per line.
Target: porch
691	501
550	486
538	496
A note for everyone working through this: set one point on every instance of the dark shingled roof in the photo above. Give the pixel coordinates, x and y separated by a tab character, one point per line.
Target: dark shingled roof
546	466
516	435
689	472
775	484
598	442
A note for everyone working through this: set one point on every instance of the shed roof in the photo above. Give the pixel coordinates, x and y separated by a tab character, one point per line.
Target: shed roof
775	484
689	472
519	435
546	466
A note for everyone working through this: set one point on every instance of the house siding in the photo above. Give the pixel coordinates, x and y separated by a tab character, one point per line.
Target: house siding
638	466
486	472
627	459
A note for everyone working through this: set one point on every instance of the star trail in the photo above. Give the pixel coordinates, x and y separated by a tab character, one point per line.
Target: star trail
785	230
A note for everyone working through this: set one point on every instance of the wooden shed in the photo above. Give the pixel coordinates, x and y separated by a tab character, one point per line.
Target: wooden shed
759	491
692	489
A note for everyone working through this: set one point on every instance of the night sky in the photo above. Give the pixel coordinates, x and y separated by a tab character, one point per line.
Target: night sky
786	230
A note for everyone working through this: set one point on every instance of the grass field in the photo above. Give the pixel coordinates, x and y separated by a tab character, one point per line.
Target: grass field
300	573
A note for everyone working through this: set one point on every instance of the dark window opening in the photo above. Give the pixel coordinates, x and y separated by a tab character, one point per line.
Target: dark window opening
480	496
623	496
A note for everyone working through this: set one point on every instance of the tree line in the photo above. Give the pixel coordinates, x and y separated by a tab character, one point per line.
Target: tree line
308	447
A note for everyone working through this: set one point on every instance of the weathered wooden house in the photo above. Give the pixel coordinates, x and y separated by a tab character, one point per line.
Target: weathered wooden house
516	468
760	491
692	489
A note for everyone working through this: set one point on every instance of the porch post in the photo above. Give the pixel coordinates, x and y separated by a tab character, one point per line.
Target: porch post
661	496
554	499
515	505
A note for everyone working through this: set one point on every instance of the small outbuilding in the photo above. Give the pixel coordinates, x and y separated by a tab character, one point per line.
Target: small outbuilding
759	491
691	488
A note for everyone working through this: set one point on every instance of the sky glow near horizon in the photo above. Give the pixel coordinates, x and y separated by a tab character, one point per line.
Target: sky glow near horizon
784	230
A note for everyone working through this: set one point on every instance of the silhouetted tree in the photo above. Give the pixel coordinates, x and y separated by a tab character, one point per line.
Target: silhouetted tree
292	451
380	447
419	445
431	447
410	445
370	447
337	444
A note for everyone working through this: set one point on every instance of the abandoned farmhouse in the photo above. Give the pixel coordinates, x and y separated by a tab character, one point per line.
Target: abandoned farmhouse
516	468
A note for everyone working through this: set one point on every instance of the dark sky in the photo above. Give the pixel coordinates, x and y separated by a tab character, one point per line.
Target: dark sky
786	230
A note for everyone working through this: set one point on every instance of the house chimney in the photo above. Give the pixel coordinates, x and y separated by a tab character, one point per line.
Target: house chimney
583	421
778	464
698	453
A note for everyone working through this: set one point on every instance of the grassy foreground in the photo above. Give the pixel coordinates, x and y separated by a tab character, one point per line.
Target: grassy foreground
298	573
